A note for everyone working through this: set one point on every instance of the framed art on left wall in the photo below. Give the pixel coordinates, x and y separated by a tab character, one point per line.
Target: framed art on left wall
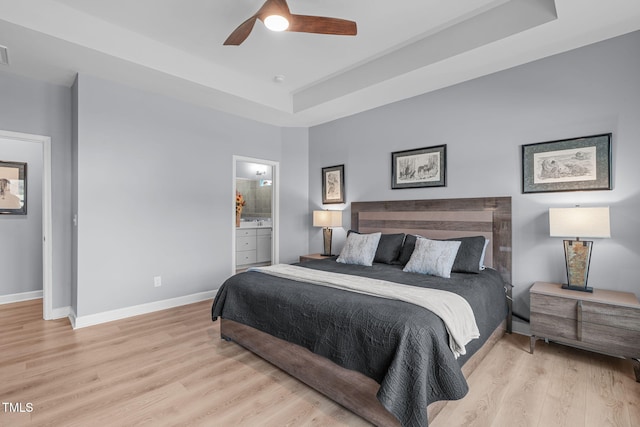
333	184
13	188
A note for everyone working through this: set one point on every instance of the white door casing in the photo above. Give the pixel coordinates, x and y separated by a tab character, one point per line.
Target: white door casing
47	238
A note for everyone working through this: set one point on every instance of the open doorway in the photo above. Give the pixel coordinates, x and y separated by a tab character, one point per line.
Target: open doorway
255	217
47	251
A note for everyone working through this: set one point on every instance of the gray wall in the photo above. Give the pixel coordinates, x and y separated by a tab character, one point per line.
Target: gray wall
155	193
21	235
484	122
33	107
294	194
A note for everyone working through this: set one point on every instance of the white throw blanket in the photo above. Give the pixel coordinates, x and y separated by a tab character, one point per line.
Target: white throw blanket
455	311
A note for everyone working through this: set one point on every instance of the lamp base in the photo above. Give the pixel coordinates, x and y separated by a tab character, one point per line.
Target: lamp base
577	255
326	236
578	288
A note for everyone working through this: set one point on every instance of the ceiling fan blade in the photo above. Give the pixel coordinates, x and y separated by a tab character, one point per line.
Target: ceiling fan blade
241	33
322	25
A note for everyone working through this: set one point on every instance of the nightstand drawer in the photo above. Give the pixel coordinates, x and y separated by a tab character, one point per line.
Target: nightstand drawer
611	315
611	329
611	340
554	306
546	325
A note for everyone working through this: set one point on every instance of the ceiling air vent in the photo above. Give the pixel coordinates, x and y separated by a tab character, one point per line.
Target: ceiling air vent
4	57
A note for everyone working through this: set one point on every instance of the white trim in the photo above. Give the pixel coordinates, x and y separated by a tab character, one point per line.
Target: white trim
47	224
47	233
60	312
72	317
275	209
136	310
23	296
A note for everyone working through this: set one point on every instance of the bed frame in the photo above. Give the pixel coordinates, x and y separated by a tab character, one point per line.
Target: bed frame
444	218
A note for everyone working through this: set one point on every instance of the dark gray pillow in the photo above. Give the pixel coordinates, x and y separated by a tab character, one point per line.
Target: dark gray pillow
407	249
389	247
469	254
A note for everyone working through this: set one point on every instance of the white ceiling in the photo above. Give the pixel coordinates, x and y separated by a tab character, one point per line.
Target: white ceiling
403	48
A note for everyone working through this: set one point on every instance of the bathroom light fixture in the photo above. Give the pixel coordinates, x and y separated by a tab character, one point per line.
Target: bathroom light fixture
585	222
327	219
276	23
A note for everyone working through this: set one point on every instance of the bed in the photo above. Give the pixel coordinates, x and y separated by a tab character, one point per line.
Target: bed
388	361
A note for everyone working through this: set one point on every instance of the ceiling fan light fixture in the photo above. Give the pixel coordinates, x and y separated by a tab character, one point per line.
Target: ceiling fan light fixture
276	23
275	15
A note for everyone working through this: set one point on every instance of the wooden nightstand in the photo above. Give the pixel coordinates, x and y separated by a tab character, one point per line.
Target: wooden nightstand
304	258
603	321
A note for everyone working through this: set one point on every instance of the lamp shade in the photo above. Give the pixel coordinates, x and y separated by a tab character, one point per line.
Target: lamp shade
579	222
327	218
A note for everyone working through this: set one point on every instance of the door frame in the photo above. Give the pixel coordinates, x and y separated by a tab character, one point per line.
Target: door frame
47	225
275	208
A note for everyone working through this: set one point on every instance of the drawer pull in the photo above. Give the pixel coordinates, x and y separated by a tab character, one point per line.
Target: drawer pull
579	319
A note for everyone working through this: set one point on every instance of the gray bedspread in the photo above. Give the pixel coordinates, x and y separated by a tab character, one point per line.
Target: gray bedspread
401	346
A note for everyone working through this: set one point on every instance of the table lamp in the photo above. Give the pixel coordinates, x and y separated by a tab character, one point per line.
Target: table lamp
578	222
327	219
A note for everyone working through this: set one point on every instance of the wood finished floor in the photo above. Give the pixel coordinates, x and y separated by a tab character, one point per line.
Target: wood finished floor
170	368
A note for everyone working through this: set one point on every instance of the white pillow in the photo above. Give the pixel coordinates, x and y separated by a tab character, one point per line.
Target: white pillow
434	257
360	249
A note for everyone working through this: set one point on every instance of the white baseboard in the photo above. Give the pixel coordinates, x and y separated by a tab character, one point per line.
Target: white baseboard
60	312
122	313
24	296
72	317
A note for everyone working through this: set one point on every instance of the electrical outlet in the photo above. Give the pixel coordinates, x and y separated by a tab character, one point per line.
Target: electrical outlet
157	281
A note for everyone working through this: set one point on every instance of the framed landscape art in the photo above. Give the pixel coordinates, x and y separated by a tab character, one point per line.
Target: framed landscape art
576	164
420	167
13	188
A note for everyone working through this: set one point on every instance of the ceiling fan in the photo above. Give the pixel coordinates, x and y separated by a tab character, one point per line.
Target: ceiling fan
276	16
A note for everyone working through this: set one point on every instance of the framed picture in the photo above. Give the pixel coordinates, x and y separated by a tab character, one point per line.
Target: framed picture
421	167
333	184
576	164
13	188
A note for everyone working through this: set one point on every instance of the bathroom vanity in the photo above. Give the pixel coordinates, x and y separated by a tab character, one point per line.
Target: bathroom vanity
253	245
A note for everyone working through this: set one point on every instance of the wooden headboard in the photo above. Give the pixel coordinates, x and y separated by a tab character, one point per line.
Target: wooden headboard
444	218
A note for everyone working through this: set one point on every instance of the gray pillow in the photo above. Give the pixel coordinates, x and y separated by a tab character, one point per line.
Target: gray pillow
434	257
359	249
469	255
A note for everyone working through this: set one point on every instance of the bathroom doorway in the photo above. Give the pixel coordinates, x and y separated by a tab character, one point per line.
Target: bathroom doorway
255	218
